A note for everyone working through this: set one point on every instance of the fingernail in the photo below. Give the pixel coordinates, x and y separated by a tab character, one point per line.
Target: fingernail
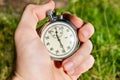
69	68
83	69
85	33
71	72
68	65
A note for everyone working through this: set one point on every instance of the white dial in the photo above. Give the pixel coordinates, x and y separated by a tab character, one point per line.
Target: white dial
60	39
59	29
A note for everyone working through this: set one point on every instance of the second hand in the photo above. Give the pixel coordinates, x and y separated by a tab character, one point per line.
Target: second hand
59	40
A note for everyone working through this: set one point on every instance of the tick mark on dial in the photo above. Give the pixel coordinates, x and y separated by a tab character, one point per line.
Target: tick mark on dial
62	27
57	51
50	32
47	37
63	51
71	35
51	49
67	30
48	44
54	35
66	37
68	47
60	32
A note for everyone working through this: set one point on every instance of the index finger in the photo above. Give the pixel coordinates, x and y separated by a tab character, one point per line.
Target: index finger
78	22
85	30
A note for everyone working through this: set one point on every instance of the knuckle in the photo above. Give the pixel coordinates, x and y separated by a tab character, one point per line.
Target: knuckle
17	34
81	36
29	6
89	24
91	27
90	45
87	28
92	59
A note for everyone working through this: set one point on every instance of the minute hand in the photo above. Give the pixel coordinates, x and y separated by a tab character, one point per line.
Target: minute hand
59	40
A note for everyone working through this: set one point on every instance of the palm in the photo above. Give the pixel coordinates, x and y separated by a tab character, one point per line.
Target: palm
39	61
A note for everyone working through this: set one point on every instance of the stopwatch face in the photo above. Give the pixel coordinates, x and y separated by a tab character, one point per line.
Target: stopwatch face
60	39
59	30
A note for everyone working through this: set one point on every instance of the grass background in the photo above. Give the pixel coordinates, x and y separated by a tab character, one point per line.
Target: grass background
103	14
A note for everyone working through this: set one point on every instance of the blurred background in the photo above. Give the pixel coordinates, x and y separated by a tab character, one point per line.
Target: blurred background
103	14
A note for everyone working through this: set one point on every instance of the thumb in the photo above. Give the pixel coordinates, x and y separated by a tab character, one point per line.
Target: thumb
34	13
26	30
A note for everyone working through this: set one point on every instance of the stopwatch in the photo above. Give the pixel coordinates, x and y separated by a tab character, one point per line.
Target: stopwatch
59	37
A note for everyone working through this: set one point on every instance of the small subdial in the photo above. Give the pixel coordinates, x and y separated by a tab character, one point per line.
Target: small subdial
53	31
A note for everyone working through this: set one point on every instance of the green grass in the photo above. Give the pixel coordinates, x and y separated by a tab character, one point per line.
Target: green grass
103	14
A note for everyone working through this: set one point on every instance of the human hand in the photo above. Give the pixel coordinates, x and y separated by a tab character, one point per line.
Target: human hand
33	61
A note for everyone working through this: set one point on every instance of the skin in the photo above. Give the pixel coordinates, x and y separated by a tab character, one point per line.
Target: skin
33	61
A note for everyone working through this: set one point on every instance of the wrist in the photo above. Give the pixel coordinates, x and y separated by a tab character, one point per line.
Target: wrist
17	77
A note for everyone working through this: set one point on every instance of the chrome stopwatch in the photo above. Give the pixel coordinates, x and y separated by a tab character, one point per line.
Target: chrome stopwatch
59	37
